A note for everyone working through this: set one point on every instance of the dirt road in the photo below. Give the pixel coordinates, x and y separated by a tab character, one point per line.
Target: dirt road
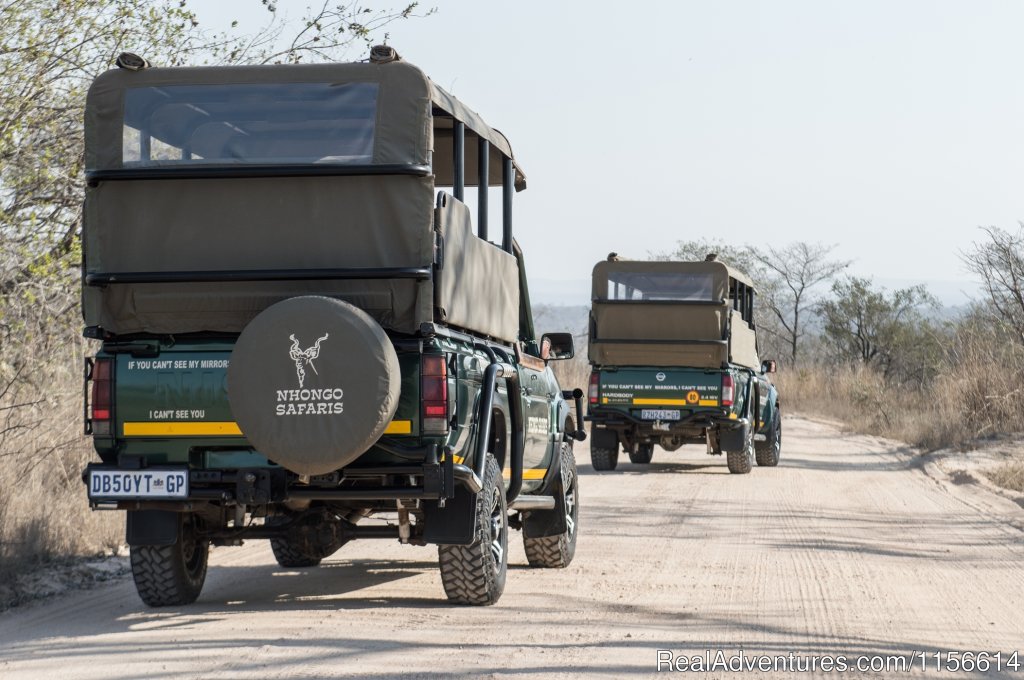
848	547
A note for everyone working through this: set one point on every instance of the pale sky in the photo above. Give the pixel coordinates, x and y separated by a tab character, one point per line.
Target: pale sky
893	129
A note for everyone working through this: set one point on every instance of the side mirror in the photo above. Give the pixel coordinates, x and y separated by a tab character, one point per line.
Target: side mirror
556	346
768	366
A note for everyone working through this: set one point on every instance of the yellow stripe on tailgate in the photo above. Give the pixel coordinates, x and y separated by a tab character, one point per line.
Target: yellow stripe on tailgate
182	429
656	402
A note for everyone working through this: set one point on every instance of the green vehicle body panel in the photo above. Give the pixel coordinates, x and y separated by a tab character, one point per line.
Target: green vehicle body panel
631	389
186	382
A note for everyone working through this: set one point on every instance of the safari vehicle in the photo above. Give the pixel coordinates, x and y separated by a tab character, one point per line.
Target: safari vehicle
674	356
302	339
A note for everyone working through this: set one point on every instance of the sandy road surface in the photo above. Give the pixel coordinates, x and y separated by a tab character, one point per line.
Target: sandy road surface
846	548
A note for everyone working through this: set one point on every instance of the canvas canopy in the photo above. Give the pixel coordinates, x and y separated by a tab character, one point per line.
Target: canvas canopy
668	314
373	123
404	121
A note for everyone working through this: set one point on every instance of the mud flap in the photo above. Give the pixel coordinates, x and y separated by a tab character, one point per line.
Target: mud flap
455	523
152	527
540	523
733	439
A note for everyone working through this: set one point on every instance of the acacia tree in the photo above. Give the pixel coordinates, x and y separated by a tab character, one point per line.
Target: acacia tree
795	270
999	262
878	329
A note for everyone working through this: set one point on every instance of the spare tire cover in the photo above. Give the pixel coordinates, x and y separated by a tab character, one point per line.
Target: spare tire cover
313	382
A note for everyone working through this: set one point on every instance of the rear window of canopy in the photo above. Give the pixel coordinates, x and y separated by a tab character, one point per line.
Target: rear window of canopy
641	286
269	123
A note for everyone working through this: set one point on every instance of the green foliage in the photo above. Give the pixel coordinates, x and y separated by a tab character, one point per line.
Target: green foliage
880	329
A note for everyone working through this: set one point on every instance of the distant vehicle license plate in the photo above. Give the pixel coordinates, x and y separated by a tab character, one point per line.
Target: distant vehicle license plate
138	484
659	414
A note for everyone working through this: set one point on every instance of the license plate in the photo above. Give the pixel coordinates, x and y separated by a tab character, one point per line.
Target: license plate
138	484
659	414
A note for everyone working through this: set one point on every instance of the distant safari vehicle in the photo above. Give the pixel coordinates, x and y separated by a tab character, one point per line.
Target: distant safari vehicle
674	355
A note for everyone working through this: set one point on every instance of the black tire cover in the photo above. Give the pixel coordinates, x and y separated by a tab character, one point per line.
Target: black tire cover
313	382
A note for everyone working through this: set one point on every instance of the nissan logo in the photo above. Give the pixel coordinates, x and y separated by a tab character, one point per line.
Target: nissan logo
660	377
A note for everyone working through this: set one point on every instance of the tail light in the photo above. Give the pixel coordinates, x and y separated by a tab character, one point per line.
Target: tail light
434	393
101	403
593	387
727	390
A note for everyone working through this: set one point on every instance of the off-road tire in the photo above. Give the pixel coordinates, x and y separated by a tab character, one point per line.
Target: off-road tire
643	454
171	575
556	552
742	462
292	555
604	450
767	452
475	573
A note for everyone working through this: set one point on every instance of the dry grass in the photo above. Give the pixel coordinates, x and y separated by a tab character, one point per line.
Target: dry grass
44	514
978	394
1008	476
573	373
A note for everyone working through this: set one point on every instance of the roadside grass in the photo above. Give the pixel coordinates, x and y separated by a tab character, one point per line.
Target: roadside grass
44	513
976	397
962	407
573	373
1008	476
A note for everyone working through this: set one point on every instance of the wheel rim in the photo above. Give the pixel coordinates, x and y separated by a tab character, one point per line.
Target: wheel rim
191	552
569	484
498	528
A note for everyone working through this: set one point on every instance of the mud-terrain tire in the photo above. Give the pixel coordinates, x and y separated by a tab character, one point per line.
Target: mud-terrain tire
556	552
475	573
643	454
742	462
171	575
767	452
604	450
294	554
313	382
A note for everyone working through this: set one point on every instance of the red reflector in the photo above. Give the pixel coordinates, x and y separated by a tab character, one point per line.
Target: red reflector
435	411
101	414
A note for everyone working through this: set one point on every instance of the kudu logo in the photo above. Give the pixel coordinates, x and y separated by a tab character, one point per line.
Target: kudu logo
304	357
308	401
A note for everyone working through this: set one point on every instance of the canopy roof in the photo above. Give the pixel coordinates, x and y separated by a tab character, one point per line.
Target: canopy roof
637	270
413	116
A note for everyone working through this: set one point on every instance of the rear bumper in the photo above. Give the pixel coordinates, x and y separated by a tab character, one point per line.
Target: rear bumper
616	419
263	486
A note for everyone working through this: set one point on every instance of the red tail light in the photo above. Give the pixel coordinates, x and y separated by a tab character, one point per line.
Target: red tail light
593	387
102	396
434	393
727	390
